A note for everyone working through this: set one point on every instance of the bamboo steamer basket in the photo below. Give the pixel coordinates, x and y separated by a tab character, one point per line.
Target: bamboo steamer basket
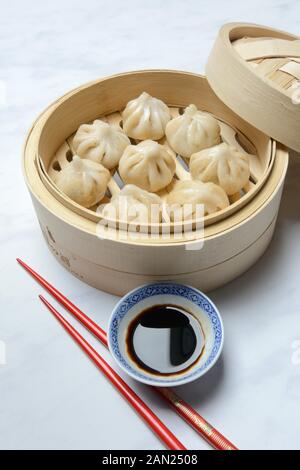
232	239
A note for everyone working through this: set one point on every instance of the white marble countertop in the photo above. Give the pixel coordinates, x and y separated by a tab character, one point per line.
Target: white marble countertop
51	396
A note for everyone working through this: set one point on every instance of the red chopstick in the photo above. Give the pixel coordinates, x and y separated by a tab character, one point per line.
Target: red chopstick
183	409
135	401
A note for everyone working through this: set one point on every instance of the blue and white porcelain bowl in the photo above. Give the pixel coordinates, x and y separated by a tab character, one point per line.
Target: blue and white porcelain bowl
166	293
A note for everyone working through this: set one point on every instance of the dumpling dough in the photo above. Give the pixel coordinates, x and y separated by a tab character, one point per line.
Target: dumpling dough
101	143
83	181
222	164
192	131
181	203
133	204
145	118
149	165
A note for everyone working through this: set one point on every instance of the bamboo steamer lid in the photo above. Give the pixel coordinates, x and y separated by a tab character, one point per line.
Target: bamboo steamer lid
255	71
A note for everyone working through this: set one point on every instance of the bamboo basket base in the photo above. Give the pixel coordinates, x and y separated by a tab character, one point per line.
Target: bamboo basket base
119	282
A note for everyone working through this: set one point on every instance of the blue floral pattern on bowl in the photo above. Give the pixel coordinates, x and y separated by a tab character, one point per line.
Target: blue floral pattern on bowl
130	300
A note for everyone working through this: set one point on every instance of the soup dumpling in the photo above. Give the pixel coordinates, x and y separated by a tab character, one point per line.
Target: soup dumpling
181	203
149	165
194	130
222	164
145	117
101	143
83	181
133	204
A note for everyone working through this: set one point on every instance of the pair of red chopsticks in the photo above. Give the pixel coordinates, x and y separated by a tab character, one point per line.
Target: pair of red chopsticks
216	439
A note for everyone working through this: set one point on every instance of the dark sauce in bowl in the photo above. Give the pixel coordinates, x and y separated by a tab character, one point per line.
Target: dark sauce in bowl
165	340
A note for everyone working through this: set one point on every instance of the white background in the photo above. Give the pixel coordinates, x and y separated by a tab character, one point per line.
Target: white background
51	396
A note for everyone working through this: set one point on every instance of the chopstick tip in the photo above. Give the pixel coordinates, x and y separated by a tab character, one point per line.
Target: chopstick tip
45	301
21	262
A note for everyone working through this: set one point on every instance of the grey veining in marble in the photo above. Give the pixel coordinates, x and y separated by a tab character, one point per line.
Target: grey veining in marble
51	396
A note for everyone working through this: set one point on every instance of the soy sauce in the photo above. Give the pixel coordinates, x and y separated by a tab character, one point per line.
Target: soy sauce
165	340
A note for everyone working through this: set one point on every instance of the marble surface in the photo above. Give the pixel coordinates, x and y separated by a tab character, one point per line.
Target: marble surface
51	396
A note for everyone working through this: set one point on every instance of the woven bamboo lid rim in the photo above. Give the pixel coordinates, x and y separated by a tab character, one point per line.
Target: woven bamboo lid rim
264	89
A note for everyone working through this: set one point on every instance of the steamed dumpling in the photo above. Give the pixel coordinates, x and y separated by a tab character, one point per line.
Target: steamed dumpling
101	143
83	181
194	130
149	165
222	164
145	117
181	203
133	204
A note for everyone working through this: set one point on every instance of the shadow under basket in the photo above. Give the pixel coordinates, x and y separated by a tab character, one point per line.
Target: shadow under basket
116	260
